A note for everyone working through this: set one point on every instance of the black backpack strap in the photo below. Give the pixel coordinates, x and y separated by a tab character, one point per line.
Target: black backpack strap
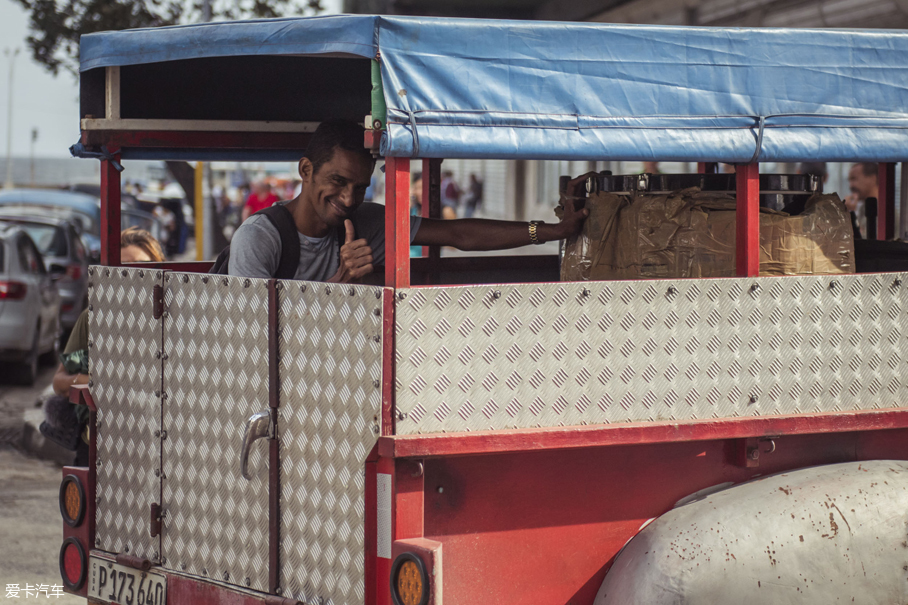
282	220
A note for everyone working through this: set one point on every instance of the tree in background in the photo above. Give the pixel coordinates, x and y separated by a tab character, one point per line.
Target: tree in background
55	26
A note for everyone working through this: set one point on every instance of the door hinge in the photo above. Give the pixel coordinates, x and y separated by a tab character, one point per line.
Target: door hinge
158	302
155	520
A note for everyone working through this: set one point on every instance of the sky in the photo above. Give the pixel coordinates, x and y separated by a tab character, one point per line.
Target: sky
40	100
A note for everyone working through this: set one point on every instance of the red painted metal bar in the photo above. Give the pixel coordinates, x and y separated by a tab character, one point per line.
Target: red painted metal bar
747	234
886	201
370	528
195	140
397	222
181	266
524	440
387	385
110	211
274	468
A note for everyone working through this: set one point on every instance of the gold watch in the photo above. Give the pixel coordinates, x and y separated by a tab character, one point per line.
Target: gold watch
534	237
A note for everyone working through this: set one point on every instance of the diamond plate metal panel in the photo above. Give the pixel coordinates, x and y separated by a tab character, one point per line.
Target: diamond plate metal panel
215	378
330	413
124	357
543	355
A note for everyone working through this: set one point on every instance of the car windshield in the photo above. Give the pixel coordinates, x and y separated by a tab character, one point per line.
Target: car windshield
51	240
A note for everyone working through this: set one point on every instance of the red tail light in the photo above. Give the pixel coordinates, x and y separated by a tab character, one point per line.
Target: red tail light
12	290
73	564
74	272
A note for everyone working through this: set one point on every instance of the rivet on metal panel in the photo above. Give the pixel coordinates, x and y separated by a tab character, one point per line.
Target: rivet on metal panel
107	272
755	288
157	433
246	283
91	343
98	542
327	290
91	271
157	355
141	274
753	453
155	555
183	566
225	281
185	279
277	590
226	576
248	580
440	489
753	398
157	393
585	292
126	548
166	278
91	307
204	280
401	295
124	273
377	312
163	434
204	571
896	283
378	295
376	383
164	356
496	294
157	472
401	415
163	560
278	286
376	338
671	291
303	288
91	383
833	285
352	292
91	284
98	464
375	429
165	314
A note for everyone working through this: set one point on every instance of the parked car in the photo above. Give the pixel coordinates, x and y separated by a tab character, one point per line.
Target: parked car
84	208
63	204
65	257
29	305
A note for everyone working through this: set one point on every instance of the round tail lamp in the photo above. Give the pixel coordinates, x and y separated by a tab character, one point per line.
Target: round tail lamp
73	564
409	580
72	500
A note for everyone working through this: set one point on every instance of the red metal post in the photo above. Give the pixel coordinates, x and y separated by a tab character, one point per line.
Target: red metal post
707	167
747	234
886	201
110	212
397	222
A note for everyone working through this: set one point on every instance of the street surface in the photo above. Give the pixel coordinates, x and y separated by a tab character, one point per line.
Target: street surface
31	529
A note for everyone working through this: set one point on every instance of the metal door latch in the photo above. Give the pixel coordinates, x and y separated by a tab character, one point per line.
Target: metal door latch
259	426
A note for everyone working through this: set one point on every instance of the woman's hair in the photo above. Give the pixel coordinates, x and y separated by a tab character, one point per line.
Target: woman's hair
144	240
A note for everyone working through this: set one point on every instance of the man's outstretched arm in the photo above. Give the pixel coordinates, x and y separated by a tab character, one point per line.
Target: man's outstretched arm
484	234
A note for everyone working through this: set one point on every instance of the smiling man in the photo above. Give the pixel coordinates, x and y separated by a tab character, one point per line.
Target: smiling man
342	238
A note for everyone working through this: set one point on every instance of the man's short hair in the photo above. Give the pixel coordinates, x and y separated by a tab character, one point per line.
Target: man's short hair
869	168
332	134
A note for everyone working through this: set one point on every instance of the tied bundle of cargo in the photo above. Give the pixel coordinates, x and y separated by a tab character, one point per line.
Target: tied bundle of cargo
649	227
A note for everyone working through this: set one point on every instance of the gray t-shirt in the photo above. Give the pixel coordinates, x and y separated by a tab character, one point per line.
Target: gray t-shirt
255	250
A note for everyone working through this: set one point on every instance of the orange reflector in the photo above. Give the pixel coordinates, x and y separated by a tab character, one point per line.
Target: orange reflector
409	584
72	500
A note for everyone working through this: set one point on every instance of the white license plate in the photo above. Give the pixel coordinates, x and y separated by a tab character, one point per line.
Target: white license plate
113	583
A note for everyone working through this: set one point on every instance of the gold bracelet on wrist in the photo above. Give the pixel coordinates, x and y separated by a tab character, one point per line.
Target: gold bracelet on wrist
534	237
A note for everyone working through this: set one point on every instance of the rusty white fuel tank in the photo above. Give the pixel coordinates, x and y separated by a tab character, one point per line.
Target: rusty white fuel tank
827	534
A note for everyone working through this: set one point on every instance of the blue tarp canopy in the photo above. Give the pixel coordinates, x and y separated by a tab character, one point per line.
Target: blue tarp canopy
583	91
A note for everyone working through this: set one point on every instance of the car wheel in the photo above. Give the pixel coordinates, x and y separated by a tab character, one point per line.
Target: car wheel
28	368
